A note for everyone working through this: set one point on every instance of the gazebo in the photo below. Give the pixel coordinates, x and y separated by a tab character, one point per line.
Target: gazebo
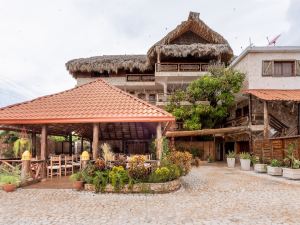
96	111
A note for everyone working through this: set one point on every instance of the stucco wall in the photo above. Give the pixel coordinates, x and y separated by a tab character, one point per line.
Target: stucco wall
251	64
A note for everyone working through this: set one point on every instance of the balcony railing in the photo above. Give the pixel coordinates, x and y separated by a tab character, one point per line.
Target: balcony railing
181	67
140	77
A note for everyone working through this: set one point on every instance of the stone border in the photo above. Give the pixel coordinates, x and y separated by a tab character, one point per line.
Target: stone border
152	188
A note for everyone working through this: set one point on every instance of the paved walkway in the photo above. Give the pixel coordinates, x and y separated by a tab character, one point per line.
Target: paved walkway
210	195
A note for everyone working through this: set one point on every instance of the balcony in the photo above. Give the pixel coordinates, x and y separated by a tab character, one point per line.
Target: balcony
180	69
140	80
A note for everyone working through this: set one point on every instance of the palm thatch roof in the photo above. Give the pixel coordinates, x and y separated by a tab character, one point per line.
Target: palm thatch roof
109	63
195	25
196	50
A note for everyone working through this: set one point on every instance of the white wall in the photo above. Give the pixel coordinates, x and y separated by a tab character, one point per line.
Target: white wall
251	64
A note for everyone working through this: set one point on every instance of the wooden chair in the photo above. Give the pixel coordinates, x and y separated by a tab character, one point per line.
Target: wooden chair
77	161
68	165
55	166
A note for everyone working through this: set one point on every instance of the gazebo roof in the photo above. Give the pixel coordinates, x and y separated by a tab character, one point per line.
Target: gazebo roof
96	101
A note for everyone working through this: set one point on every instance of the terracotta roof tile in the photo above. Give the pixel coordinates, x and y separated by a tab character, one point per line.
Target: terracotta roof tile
275	95
96	101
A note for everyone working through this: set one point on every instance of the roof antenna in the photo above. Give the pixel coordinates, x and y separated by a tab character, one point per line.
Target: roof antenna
250	43
273	41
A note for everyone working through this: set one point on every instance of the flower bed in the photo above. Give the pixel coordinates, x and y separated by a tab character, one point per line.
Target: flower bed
165	187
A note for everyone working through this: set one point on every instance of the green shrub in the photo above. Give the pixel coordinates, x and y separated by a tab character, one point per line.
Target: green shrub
118	177
182	160
231	154
137	170
245	155
100	180
100	164
76	176
275	163
88	173
9	179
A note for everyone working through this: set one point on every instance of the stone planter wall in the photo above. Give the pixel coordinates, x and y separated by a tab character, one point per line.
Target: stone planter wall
293	174
141	187
274	171
260	168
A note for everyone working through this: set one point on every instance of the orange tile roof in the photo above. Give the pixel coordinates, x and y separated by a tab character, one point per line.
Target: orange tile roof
96	101
275	95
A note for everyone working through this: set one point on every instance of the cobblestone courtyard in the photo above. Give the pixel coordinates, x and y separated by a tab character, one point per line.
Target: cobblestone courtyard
210	195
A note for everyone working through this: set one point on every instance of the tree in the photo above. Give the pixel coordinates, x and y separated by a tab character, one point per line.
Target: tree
209	98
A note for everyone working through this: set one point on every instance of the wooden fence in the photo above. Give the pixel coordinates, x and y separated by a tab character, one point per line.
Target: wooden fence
275	148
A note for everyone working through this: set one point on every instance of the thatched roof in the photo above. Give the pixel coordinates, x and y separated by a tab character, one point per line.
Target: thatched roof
196	50
110	63
195	25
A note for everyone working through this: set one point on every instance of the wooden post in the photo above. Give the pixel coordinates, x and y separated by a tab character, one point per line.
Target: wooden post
81	146
158	142
44	149
33	144
70	144
25	171
95	140
266	120
298	118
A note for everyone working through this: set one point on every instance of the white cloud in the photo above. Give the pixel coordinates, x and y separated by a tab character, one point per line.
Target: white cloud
37	37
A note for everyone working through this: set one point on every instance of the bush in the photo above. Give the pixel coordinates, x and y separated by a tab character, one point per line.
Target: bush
231	154
121	161
100	164
118	177
9	179
76	176
100	180
160	175
88	173
137	169
182	160
245	155
275	163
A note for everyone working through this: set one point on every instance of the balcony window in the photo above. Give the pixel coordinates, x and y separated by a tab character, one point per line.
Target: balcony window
278	68
152	97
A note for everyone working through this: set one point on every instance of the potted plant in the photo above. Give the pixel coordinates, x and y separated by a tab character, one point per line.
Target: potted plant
231	159
77	181
274	169
258	167
245	159
9	183
293	172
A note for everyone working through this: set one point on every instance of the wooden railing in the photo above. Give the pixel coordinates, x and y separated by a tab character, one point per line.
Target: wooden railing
140	77
181	67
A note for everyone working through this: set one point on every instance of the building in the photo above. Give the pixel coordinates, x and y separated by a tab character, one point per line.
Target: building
269	105
173	62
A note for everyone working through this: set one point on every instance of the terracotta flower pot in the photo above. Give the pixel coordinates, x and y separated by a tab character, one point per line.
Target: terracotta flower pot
9	187
78	185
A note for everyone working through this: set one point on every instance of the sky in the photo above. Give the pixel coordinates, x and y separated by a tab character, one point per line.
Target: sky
37	37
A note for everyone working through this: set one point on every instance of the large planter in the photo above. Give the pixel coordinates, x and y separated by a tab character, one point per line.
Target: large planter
293	174
274	171
260	168
78	185
245	164
231	162
9	187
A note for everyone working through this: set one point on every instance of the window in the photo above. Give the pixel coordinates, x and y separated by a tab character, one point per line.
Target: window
142	96
152	97
280	68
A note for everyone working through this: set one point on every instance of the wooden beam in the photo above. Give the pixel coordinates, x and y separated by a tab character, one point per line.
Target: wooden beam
298	118
266	120
81	146
206	131
95	140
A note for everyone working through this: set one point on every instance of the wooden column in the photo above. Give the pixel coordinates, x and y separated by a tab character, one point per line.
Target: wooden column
95	140
266	120
298	118
44	149
33	144
250	124
81	146
70	144
158	142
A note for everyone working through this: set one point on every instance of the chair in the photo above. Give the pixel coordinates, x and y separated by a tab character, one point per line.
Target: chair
55	166
77	161
68	165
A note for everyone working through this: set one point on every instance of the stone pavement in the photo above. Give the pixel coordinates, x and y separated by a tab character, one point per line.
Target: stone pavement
210	195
